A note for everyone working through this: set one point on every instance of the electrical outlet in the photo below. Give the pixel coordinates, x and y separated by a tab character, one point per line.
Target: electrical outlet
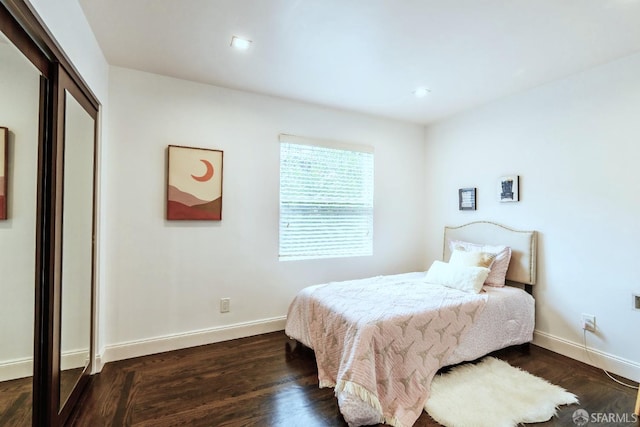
589	322
636	301
225	305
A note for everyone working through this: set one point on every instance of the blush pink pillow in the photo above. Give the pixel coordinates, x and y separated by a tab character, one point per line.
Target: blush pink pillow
500	265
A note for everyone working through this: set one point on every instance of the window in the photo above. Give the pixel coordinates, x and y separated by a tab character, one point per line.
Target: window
326	199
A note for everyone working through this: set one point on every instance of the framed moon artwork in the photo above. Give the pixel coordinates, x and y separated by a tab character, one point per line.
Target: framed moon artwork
194	183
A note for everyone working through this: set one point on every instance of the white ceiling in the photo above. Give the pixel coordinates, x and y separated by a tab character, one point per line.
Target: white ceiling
369	55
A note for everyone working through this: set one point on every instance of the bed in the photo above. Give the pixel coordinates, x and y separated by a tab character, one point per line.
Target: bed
379	341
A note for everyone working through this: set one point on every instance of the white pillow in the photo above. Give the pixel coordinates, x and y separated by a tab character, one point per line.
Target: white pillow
500	264
464	278
472	258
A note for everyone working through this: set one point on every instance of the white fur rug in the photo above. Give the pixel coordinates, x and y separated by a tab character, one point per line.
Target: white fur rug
493	393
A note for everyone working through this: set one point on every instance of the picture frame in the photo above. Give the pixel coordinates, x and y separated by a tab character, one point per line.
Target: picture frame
467	199
194	183
509	188
4	150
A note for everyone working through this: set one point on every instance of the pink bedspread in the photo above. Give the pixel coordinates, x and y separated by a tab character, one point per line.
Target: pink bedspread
383	339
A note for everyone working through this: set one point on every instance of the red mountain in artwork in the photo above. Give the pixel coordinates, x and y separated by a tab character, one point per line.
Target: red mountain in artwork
211	210
185	206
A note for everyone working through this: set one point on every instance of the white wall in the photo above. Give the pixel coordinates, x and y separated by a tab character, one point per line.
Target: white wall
19	109
165	278
574	143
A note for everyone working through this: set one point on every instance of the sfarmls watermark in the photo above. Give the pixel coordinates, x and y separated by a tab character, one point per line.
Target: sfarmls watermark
582	417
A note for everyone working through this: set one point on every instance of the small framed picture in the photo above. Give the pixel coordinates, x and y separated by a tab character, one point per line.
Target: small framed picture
467	199
509	188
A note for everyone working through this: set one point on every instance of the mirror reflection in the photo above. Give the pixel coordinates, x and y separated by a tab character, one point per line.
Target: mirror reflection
77	246
19	114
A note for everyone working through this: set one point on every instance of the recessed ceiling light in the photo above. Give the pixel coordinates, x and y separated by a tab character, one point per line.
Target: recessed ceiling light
421	92
240	44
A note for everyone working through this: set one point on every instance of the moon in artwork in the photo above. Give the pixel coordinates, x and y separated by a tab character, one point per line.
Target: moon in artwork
207	175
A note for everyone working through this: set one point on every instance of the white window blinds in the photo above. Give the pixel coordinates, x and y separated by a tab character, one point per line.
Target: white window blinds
326	199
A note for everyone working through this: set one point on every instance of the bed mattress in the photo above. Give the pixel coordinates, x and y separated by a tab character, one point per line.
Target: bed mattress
507	318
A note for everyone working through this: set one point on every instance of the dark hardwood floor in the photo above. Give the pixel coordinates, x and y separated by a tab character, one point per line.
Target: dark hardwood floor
16	397
15	402
255	382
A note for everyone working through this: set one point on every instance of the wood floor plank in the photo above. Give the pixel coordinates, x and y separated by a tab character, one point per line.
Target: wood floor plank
255	382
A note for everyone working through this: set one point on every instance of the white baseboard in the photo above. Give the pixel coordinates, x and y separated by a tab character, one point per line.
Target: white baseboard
161	344
98	364
17	368
74	359
600	359
23	368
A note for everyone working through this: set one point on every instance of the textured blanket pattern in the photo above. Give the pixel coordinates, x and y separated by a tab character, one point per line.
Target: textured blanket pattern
384	339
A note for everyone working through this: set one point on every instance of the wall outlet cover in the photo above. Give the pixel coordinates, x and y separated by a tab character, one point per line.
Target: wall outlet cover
588	322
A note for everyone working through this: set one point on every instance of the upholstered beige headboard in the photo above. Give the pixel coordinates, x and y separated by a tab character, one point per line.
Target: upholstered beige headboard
522	268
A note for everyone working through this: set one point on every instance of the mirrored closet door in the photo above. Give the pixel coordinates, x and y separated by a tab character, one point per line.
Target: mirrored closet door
74	285
19	141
